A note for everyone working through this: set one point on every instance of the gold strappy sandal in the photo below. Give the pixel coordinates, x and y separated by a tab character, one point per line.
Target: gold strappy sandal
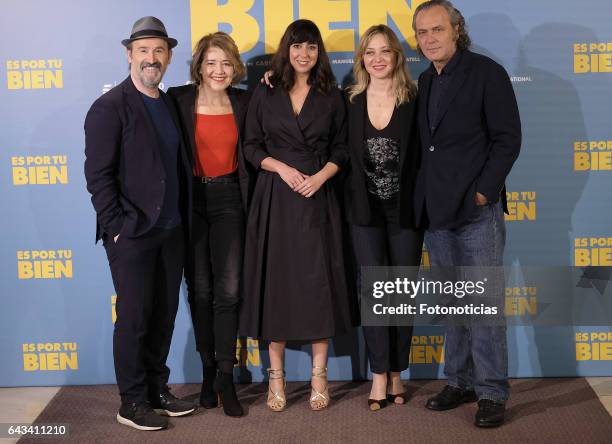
319	400
277	401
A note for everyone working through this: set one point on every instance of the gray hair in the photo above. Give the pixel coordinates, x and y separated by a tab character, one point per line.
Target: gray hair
456	19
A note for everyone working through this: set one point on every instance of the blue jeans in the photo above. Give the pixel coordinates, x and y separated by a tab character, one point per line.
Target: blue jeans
475	356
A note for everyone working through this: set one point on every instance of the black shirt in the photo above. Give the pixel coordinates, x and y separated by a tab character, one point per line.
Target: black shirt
439	86
168	137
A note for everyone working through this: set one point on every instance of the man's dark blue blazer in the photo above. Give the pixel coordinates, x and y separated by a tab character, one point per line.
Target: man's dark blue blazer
476	140
123	166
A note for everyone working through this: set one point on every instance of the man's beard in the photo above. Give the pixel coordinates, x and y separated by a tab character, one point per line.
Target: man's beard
148	80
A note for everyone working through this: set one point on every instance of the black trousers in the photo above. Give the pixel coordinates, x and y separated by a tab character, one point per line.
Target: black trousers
147	273
386	243
214	268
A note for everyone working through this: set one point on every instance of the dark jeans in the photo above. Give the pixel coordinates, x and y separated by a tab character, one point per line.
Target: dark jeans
214	267
475	356
386	243
147	273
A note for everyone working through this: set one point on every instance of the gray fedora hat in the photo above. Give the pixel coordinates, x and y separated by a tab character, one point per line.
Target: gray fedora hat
149	27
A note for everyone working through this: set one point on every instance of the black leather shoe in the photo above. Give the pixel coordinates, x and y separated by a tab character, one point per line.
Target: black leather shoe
450	397
208	397
490	413
171	405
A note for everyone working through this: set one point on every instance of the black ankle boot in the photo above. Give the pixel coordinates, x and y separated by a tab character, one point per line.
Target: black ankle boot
208	396
224	386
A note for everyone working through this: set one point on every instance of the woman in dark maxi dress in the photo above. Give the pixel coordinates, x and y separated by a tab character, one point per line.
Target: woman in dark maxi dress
383	148
295	280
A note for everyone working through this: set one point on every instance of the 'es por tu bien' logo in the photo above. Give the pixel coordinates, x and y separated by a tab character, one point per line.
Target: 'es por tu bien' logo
592	57
44	264
521	301
594	346
593	251
427	350
247	352
34	74
521	205
49	356
594	155
39	170
248	31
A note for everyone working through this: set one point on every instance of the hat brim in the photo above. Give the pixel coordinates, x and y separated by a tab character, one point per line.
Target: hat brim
171	42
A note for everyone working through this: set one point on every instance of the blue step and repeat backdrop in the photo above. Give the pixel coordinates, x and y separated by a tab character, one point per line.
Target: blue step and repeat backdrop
58	56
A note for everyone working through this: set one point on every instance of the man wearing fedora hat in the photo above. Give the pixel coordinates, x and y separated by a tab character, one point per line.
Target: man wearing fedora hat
137	170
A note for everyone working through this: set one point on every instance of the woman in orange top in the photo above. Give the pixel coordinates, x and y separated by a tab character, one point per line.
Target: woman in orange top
212	116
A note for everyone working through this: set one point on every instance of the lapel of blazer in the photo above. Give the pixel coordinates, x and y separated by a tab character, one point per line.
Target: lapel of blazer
311	108
282	102
137	107
238	107
186	104
239	110
423	99
453	88
186	154
357	114
172	110
406	115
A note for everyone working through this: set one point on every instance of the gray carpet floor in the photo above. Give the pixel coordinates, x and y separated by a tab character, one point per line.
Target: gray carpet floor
540	411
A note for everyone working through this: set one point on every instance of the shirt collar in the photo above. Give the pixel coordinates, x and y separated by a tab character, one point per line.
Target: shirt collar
450	66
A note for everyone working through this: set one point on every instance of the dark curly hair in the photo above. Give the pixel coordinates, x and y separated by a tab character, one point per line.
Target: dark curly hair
283	75
456	19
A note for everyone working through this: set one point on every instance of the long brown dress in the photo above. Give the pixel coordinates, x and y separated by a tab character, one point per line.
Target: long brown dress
294	272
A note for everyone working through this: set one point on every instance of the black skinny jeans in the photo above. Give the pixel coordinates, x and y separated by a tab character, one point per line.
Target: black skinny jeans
386	243
214	268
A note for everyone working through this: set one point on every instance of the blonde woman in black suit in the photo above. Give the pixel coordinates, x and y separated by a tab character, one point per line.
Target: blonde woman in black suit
382	141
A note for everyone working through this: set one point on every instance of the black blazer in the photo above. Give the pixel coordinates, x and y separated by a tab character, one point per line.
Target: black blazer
185	99
475	142
123	167
357	204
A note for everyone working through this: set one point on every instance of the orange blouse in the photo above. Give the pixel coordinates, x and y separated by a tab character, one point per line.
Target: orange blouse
216	137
